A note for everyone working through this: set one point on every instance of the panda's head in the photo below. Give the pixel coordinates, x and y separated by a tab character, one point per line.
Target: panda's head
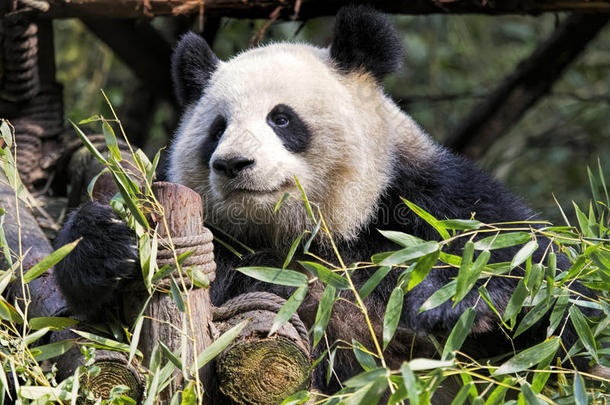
254	123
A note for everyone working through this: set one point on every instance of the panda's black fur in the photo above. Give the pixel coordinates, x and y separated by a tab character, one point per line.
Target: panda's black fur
447	186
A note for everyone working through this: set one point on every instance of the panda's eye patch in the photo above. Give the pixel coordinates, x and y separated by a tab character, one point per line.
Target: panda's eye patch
218	127
279	116
289	127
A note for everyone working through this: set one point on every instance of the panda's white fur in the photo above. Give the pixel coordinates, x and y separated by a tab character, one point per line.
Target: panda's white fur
357	134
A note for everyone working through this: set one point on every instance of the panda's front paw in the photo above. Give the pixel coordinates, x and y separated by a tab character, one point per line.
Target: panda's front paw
104	259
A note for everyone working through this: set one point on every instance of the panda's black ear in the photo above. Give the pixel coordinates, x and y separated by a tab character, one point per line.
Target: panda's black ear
193	63
365	39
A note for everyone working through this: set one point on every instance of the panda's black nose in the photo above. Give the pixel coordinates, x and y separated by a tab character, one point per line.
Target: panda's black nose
231	167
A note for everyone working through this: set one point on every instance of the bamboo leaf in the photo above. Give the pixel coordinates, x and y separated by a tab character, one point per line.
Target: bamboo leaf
524	253
369	394
52	322
401	238
9	312
364	358
293	249
583	331
461	224
410	253
111	141
135	337
288	309
198	277
392	315
433	222
51	350
469	274
326	276
128	199
557	315
366	377
171	356
429	364
285	196
458	334
502	240
299	397
219	345
150	175
306	200
275	276
32	337
530	395
105	342
373	281
515	303
422	268
93	118
51	260
580	393
410	383
439	297
176	295
96	153
529	357
323	313
533	316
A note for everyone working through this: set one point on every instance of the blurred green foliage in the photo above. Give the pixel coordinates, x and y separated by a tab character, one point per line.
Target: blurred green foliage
452	62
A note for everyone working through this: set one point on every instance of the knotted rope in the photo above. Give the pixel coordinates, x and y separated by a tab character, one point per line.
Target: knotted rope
202	254
258	301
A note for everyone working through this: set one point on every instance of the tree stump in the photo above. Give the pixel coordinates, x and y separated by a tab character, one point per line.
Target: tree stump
257	368
164	322
114	369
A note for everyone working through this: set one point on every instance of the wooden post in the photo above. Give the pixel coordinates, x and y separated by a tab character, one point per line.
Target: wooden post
164	322
257	368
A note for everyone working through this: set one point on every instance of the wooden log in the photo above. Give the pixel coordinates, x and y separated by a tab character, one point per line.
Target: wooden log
44	296
308	9
164	322
114	369
257	368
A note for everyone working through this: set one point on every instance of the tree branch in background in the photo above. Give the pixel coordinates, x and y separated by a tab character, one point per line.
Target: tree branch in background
532	79
308	8
141	47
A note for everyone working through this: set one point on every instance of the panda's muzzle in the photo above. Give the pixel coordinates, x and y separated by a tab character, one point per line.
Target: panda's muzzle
231	167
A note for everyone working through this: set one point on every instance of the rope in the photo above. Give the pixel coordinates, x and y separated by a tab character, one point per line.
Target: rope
258	301
20	59
202	254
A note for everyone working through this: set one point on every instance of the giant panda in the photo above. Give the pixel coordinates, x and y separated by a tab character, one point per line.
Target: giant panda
286	111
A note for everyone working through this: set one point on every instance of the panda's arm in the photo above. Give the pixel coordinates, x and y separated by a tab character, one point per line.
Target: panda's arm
105	258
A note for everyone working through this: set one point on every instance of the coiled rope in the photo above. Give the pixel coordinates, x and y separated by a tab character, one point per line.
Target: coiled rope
258	301
201	248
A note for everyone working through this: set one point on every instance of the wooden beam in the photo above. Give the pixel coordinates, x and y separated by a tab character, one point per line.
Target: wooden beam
532	79
141	47
308	9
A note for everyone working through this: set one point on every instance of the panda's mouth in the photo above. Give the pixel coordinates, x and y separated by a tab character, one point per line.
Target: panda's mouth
251	189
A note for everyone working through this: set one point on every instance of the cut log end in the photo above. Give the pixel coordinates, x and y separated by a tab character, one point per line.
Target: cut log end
264	371
113	373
